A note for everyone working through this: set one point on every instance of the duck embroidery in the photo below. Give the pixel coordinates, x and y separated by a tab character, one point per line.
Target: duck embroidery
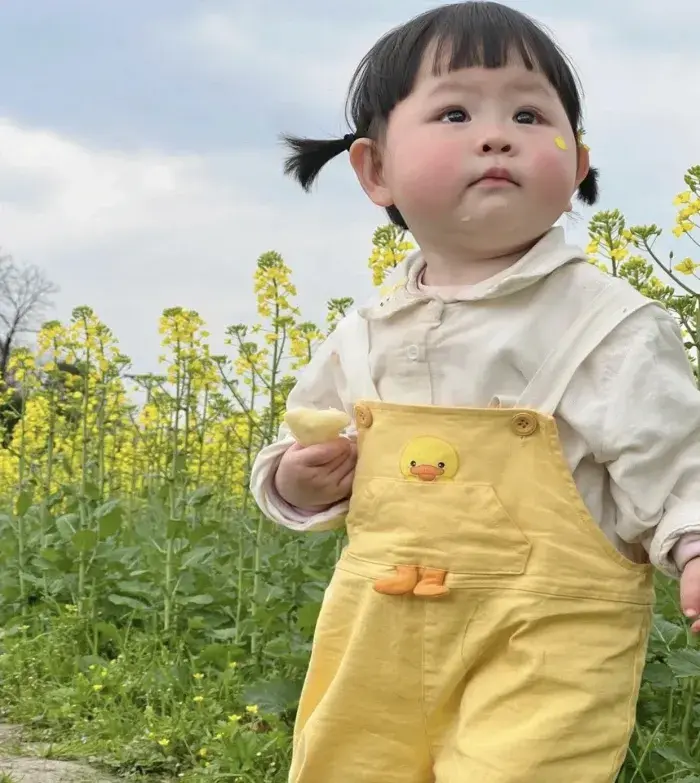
430	460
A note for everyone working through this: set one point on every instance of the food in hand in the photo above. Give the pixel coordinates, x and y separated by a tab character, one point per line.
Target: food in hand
310	427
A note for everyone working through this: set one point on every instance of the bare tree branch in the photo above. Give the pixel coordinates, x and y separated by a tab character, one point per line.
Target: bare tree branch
25	296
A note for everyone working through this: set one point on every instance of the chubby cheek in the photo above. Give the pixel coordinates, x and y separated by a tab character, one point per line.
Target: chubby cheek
553	170
427	174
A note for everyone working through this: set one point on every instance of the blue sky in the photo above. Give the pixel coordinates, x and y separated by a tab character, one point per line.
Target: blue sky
139	161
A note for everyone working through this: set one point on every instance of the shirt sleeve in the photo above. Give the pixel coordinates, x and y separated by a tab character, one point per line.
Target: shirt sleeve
651	439
321	385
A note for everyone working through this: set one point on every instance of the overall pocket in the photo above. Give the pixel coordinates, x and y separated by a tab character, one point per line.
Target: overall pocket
460	527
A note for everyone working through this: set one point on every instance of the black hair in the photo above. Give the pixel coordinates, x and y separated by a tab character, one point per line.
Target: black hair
464	35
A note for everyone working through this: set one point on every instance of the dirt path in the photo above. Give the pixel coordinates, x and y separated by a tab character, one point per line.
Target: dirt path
17	762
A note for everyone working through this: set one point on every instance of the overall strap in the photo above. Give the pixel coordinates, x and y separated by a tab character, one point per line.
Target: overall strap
613	305
353	346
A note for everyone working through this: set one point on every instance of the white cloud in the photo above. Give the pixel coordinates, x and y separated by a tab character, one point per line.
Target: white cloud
132	234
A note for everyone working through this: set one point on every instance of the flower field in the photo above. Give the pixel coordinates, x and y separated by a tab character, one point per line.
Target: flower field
151	619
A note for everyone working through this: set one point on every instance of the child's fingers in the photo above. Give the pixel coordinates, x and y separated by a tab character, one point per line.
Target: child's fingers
345	483
338	467
322	454
690	591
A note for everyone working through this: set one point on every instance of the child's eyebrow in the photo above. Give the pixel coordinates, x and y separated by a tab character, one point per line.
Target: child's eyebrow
453	85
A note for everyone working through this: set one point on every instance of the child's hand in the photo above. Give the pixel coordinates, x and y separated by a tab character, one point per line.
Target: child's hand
690	592
315	477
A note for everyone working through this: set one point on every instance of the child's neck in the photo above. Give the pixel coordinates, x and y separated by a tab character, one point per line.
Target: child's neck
465	269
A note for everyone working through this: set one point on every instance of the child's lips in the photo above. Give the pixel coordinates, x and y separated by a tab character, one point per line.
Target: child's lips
496	177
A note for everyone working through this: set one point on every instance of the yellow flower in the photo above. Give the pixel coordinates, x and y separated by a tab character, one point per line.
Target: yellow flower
619	253
682	198
232	665
164	742
234	718
252	709
593	247
198	699
687	266
679	231
97	688
218	736
198	676
202	752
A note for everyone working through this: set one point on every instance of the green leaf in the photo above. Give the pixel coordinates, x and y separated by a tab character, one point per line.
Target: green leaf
677	755
273	697
307	616
125	600
196	556
659	675
665	630
179	464
92	491
66	525
685	663
109	515
108	631
277	648
85	540
24	502
217	654
201	497
223	634
51	555
135	588
197	600
175	527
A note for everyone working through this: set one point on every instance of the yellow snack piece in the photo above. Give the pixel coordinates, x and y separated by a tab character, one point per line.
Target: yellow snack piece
309	426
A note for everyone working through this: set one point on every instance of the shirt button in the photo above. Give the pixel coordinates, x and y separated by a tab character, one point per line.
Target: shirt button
363	416
412	352
524	424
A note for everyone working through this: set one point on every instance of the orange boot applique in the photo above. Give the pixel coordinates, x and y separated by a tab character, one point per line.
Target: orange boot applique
403	581
424	582
431	584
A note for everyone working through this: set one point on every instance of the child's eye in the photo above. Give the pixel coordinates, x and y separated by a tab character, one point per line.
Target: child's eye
527	117
455	115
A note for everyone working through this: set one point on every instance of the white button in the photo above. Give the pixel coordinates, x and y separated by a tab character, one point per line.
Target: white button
412	352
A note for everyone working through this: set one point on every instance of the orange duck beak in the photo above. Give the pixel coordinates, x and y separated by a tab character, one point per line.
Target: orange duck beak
426	472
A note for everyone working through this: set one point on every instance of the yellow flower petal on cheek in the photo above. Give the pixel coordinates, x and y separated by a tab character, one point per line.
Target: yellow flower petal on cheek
559	141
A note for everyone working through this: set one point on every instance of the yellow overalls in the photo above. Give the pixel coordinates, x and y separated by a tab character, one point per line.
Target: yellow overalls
479	626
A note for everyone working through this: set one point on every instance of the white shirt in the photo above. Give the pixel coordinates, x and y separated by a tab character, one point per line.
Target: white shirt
629	419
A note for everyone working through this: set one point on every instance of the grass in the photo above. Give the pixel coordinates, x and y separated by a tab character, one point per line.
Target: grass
196	704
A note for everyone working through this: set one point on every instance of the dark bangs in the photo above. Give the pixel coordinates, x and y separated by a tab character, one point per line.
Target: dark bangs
461	35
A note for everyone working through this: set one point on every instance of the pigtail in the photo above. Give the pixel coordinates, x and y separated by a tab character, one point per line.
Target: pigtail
309	156
588	190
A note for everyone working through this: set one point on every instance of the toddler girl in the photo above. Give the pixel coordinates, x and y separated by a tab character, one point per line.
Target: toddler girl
525	446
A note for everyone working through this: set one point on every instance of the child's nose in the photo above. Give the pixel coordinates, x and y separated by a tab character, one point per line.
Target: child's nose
489	146
495	140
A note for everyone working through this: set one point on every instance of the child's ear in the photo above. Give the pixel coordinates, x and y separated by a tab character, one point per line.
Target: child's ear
364	158
583	165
